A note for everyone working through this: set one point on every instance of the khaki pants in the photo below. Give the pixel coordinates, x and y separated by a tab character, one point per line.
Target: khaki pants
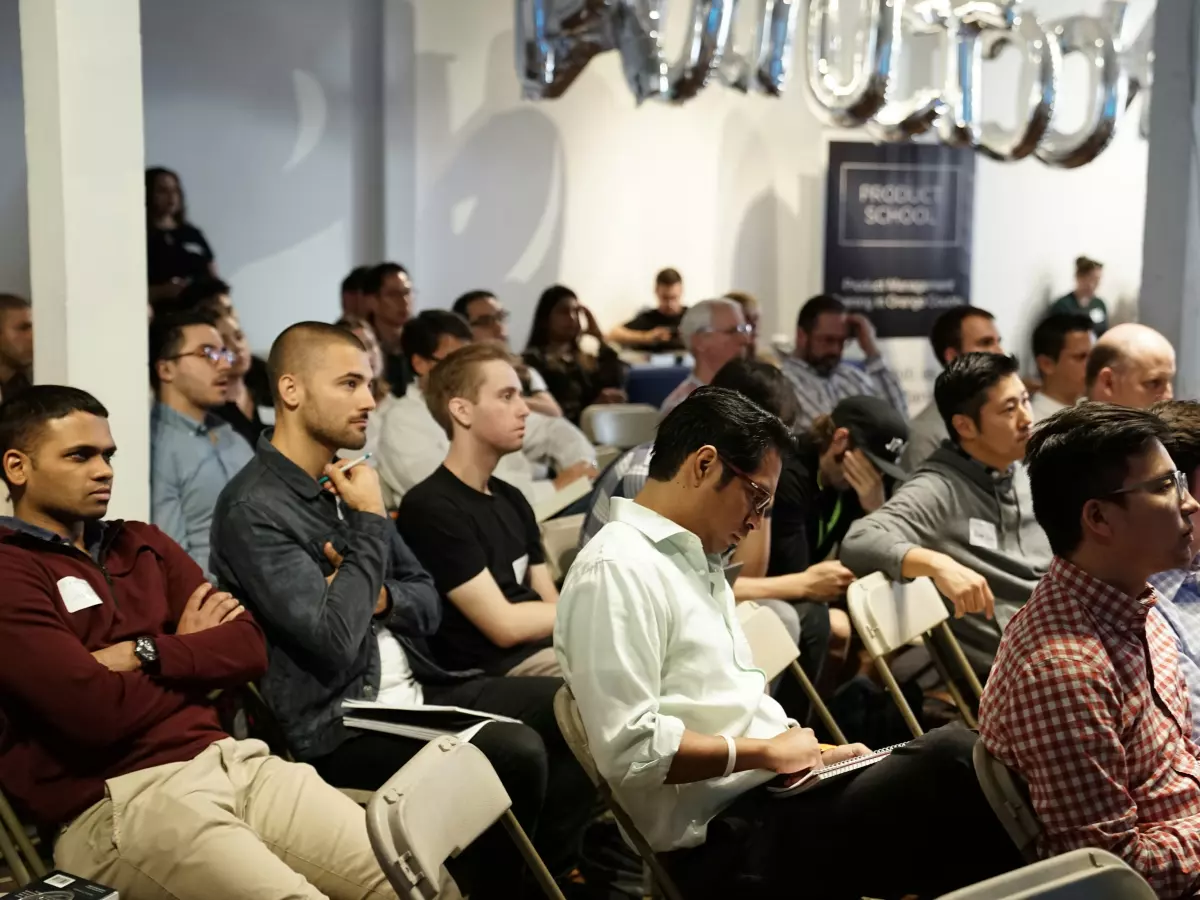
234	823
544	662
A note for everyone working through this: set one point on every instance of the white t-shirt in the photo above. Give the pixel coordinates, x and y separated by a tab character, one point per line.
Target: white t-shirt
1043	406
397	686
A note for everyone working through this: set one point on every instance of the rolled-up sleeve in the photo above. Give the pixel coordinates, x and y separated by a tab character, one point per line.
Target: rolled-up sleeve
916	516
611	638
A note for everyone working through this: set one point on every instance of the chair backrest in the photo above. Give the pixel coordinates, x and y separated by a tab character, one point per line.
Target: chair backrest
437	804
560	540
1009	799
1083	874
887	616
770	644
621	425
570	723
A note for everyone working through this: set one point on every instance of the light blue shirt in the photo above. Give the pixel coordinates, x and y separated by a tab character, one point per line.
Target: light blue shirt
190	464
1179	603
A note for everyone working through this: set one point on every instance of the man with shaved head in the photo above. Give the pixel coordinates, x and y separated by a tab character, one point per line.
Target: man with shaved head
347	610
1131	365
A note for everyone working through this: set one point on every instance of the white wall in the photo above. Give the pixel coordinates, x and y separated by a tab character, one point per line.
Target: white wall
314	135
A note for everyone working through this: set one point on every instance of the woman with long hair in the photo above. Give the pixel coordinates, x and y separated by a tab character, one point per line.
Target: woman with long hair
176	250
575	378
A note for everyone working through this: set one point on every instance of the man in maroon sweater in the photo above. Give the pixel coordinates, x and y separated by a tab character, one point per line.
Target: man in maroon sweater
111	642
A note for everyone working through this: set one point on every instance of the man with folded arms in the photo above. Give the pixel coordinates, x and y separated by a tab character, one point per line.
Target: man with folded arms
347	609
111	642
1086	701
676	714
965	517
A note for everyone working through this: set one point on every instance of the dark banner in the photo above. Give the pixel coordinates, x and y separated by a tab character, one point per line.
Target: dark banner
898	232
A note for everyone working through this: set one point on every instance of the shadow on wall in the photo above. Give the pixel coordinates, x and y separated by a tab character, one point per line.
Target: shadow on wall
496	210
14	220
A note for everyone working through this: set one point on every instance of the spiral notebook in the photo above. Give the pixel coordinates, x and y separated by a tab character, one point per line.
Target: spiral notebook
799	783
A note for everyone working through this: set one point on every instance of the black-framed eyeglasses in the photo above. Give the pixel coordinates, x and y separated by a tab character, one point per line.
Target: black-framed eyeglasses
761	494
1154	485
215	355
491	320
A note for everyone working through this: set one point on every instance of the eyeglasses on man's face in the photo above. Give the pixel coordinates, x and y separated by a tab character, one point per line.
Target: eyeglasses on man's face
491	320
1160	484
762	497
745	329
215	355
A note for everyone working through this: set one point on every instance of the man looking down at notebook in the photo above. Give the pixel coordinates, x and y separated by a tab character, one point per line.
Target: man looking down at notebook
347	608
112	639
1087	701
676	714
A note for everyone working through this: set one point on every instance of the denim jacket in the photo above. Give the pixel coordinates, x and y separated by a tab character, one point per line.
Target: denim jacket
268	532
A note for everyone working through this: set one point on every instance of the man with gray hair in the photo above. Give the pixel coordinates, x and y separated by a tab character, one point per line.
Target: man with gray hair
1131	365
714	332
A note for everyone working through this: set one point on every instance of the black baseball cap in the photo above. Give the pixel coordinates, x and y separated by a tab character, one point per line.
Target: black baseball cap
877	430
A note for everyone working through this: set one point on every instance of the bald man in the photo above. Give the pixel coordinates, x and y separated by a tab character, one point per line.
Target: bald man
1131	365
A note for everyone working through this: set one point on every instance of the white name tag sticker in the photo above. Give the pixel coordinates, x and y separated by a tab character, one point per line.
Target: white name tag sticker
77	594
520	567
983	534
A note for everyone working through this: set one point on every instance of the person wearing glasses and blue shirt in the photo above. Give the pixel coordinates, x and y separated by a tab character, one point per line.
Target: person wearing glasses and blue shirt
193	452
714	332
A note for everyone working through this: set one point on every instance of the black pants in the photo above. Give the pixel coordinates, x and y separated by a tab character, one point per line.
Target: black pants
814	650
530	770
915	823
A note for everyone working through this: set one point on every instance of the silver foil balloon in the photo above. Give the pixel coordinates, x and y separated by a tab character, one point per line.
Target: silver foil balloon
851	102
709	33
1138	61
1108	86
902	120
769	64
1041	67
963	58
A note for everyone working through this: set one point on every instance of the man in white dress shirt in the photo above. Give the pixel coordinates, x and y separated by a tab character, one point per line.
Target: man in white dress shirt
412	445
678	719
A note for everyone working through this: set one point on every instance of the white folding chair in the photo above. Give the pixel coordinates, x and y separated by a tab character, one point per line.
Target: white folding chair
622	425
570	723
1084	874
19	854
560	540
1009	799
774	651
889	616
442	800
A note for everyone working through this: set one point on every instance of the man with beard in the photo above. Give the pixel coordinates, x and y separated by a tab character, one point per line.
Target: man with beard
816	369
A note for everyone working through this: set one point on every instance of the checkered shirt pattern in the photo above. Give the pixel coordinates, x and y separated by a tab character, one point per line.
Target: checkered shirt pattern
624	478
818	394
1087	703
1179	603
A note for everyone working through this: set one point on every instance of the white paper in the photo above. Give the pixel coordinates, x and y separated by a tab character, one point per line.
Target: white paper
983	534
77	594
520	567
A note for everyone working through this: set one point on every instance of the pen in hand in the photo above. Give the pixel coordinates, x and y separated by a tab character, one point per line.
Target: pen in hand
324	479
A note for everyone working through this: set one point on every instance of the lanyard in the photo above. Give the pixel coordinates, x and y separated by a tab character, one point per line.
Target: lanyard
825	528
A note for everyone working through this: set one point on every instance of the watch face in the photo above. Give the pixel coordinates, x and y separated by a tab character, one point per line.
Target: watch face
144	648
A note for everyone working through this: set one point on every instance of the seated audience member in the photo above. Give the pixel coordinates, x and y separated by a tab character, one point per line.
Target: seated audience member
1177	590
476	534
576	379
112	640
412	444
241	407
751	312
965	518
1061	344
354	304
816	369
963	329
380	389
1131	365
16	345
176	250
656	330
1086	701
193	452
347	609
714	332
387	297
677	717
1083	300
489	325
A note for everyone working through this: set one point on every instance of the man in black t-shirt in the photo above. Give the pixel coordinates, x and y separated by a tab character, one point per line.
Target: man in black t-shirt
477	536
656	330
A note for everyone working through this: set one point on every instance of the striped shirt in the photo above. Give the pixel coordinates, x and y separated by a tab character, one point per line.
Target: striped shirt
818	394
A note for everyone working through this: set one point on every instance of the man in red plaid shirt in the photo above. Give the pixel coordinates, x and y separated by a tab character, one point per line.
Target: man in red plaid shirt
1086	700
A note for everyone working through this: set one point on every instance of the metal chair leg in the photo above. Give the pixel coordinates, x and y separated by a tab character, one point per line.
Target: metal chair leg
818	704
944	672
9	821
540	873
889	681
957	650
15	864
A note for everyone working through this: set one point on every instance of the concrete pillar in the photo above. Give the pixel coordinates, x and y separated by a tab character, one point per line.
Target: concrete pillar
1170	296
82	67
